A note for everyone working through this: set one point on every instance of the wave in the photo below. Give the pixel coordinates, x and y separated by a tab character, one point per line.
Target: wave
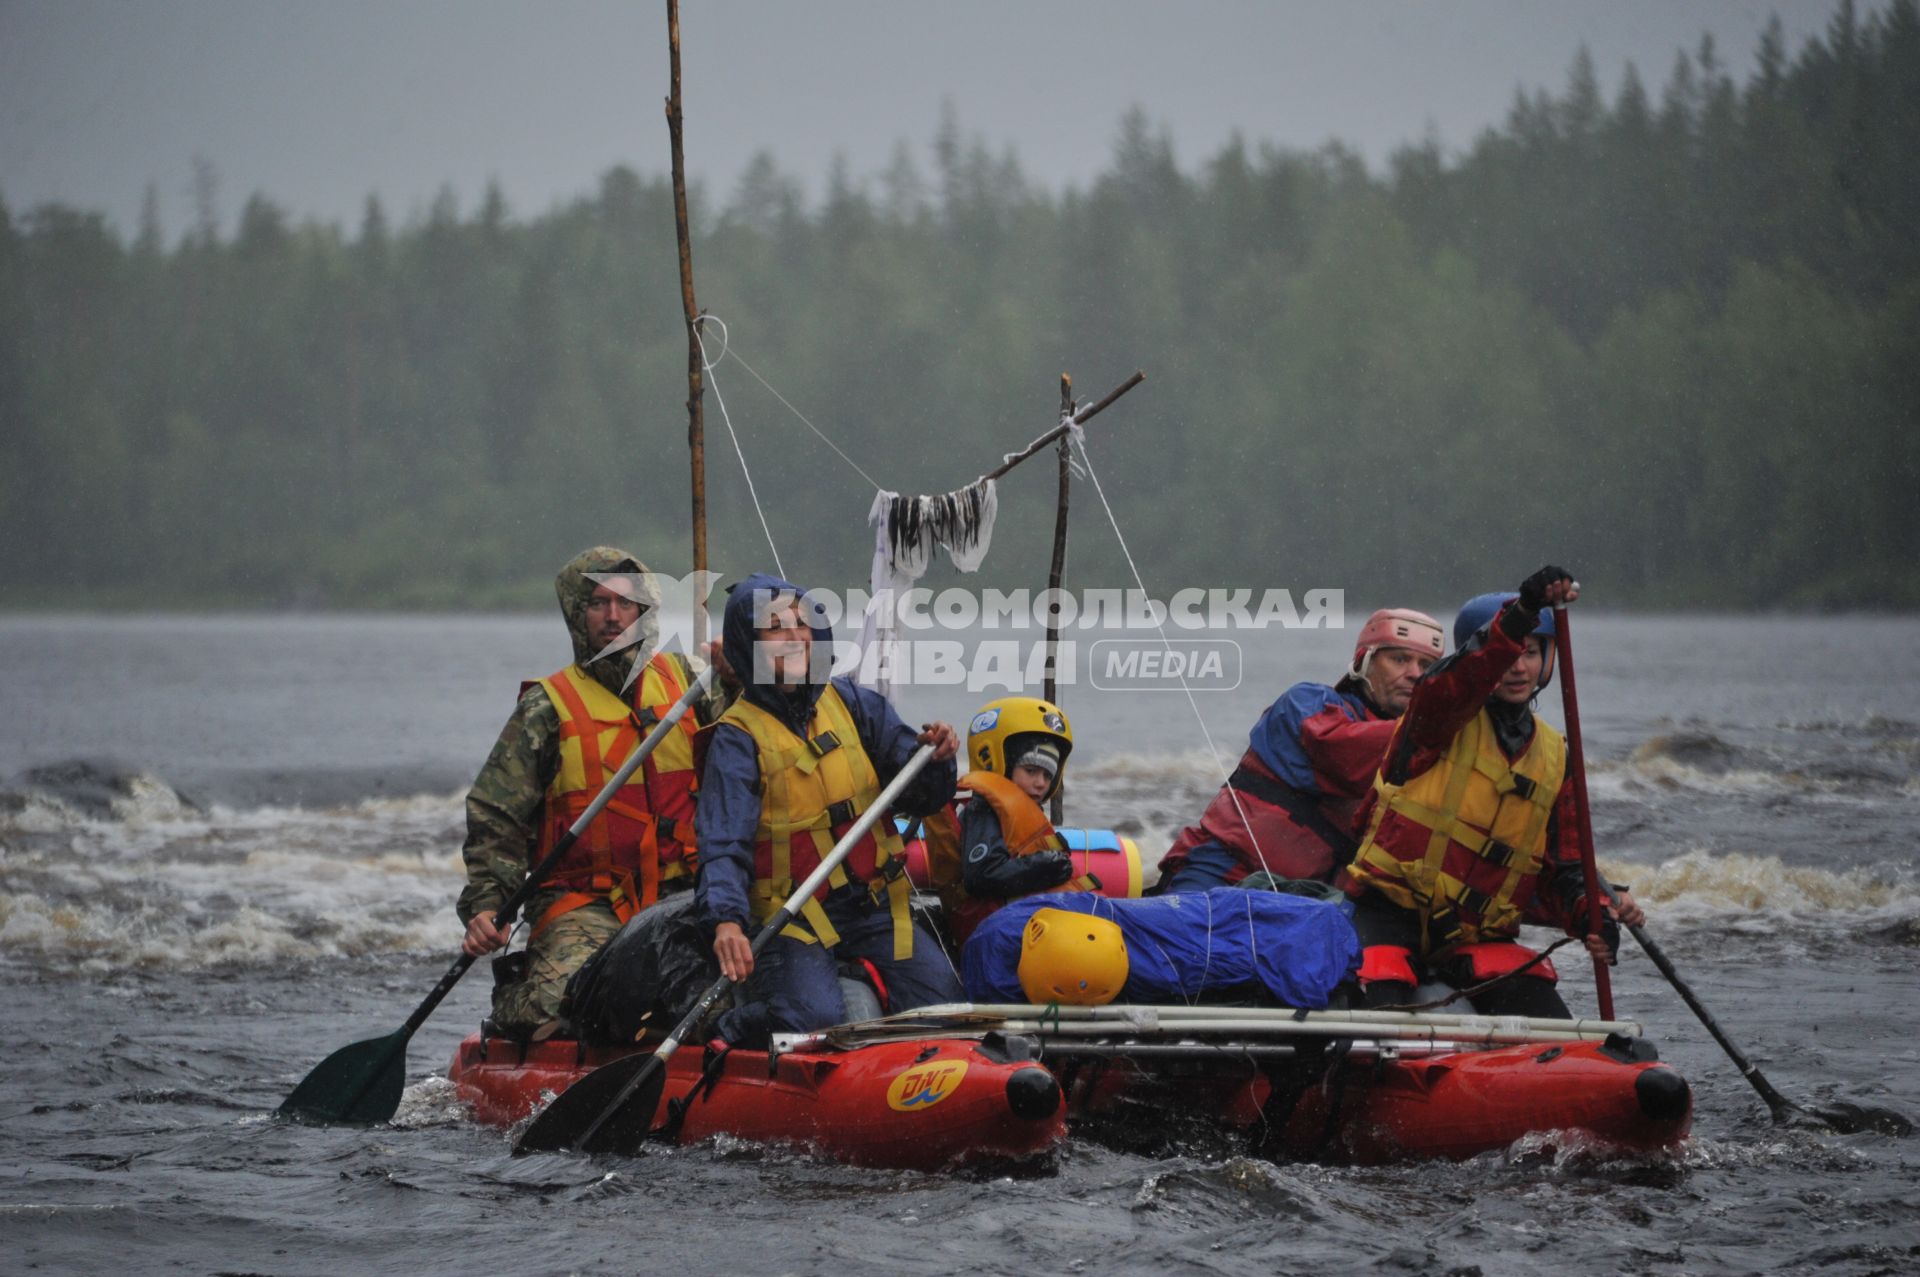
107	869
1700	884
1879	725
78	790
1701	762
146	880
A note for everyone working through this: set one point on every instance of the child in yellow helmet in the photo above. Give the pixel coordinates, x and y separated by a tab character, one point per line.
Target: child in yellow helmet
1000	845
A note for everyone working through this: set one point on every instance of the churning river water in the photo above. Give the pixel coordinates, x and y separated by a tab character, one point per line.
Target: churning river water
229	845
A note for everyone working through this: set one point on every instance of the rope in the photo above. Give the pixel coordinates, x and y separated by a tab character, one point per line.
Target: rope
790	408
1079	438
918	830
721	400
1113	915
1482	987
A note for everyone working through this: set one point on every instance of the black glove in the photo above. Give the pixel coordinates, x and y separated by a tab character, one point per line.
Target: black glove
1533	590
1610	932
1059	862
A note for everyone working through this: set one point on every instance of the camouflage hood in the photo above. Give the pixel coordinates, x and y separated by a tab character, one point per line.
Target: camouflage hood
575	586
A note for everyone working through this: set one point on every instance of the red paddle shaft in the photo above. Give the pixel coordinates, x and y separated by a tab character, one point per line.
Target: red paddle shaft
1577	767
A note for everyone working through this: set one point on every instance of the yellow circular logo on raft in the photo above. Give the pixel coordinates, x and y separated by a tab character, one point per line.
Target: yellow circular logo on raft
925	1085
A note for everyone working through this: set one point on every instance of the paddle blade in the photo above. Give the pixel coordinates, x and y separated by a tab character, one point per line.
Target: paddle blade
357	1085
1849	1118
626	1091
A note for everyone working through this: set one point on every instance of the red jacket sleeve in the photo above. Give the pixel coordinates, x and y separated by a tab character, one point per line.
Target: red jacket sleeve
1345	754
1446	700
1560	893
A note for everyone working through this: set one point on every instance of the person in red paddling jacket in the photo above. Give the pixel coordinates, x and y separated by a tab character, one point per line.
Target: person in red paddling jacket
568	735
1471	828
1288	809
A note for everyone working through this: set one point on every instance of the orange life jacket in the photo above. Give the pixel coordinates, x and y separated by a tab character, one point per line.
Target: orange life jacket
1462	843
812	790
1025	829
644	836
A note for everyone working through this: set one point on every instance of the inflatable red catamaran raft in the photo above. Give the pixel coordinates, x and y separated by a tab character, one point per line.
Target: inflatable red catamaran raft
912	1104
970	1084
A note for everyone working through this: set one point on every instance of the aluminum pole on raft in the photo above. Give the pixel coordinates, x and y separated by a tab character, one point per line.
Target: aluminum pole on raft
1045	1028
1148	1014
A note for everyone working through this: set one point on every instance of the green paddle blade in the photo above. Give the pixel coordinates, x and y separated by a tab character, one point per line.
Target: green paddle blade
357	1085
565	1123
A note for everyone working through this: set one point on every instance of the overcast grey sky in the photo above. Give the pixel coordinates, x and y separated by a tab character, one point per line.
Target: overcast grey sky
319	102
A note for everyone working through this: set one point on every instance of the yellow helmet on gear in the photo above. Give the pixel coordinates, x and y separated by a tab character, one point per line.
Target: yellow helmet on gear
994	730
1072	957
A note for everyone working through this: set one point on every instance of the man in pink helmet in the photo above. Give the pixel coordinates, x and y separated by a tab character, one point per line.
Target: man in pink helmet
1288	808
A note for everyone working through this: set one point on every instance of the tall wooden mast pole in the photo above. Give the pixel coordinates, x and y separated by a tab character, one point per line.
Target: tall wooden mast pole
1051	689
696	376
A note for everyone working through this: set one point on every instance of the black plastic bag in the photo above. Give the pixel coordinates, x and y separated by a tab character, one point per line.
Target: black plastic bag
646	977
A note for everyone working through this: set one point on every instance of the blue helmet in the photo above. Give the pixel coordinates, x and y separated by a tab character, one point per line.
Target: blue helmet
1481	608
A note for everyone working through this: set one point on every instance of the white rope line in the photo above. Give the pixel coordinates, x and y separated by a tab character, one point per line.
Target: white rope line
721	400
1113	915
803	416
1079	440
941	942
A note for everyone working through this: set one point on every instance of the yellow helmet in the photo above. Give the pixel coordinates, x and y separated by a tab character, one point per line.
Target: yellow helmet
993	743
1066	956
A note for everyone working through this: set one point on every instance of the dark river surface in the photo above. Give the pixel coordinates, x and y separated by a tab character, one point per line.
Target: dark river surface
229	845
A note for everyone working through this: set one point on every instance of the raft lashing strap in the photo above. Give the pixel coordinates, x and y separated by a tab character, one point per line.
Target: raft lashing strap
712	1062
1318	1065
1333	1085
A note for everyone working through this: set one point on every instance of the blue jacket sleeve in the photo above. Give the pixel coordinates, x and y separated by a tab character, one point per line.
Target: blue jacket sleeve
724	822
989	872
889	742
1276	738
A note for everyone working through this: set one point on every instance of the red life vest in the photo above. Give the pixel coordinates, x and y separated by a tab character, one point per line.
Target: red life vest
645	834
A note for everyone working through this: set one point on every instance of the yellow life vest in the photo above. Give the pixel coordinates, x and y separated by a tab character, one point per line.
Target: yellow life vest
646	830
811	792
1464	840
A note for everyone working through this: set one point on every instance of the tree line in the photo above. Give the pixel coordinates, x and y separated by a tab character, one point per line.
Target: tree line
1671	338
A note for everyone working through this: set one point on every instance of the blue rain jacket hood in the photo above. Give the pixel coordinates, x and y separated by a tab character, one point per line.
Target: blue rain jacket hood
794	707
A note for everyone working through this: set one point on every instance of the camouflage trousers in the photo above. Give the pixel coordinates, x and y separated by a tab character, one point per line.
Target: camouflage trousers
552	958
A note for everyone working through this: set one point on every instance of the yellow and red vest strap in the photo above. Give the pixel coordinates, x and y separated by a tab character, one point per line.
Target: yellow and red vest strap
811	791
619	854
1475	798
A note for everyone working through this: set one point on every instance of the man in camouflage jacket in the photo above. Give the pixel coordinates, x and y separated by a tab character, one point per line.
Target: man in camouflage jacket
505	807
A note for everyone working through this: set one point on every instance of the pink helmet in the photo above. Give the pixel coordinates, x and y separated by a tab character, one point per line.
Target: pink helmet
1398	627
